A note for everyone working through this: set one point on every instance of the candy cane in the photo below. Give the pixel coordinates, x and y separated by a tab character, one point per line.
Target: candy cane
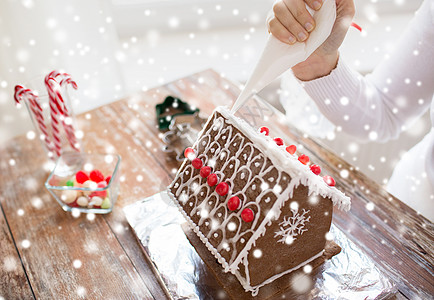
20	94
59	105
55	112
68	80
69	129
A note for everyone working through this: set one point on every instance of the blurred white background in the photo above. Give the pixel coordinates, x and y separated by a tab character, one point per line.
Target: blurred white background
116	47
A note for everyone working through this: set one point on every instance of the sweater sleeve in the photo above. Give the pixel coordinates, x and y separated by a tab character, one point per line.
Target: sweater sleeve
380	105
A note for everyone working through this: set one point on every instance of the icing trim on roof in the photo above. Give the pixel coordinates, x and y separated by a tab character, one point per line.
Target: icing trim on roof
285	162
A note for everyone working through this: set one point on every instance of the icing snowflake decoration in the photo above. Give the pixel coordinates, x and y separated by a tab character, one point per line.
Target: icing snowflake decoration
293	226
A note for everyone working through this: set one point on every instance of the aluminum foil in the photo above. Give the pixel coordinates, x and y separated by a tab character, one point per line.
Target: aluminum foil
156	222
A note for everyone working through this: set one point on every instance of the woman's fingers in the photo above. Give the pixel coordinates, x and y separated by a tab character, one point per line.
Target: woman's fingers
280	32
292	21
314	4
299	12
288	20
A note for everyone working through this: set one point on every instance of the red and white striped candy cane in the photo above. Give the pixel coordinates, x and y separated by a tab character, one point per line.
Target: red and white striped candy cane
55	112
20	95
58	106
68	80
69	128
54	90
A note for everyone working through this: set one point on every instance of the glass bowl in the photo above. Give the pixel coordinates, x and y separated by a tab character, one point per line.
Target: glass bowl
84	182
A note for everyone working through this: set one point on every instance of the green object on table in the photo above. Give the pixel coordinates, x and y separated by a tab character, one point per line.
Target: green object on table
69	183
170	108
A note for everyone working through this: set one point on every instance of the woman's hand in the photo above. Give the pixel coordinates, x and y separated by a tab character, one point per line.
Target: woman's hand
290	22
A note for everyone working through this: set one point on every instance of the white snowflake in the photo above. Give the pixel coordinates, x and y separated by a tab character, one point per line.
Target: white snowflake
293	226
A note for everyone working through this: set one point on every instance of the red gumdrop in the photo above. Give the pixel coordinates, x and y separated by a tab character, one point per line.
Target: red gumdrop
81	177
315	169
107	179
304	159
101	194
188	152
96	176
234	203
247	215
197	163
212	179
291	149
278	141
265	130
329	180
205	171
222	188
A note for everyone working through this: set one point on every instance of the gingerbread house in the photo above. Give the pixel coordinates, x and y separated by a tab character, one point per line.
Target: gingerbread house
260	209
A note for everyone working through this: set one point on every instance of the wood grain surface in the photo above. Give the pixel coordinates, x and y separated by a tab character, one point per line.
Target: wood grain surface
13	280
46	253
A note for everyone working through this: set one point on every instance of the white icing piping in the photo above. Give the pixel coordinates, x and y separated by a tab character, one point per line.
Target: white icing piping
286	162
245	282
291	227
276	211
202	237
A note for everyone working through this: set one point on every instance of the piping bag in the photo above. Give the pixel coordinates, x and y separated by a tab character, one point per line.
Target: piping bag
277	57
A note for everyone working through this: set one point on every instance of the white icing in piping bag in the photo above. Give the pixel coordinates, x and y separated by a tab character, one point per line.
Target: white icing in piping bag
277	57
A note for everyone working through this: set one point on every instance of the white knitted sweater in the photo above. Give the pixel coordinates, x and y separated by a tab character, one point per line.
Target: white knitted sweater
379	105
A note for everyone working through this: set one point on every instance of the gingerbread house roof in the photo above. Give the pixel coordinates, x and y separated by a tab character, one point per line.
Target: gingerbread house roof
287	162
252	164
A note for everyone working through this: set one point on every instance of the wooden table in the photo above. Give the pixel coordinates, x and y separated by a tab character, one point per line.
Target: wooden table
46	253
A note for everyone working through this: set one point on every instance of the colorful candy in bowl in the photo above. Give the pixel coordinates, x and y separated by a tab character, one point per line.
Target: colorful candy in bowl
85	182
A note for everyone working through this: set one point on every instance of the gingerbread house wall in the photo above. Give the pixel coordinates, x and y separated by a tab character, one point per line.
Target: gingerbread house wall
307	220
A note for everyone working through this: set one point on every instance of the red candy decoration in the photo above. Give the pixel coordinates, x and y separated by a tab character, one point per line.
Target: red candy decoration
188	152
329	180
101	194
265	130
304	159
278	141
74	204
247	215
222	188
234	203
205	171
212	179
197	163
315	169
291	149
107	179
96	176
81	177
